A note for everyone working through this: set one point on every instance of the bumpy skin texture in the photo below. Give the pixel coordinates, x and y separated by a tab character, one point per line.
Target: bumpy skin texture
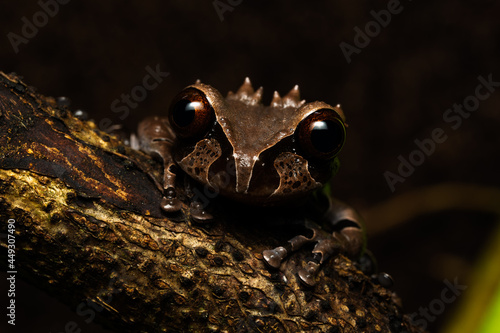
262	155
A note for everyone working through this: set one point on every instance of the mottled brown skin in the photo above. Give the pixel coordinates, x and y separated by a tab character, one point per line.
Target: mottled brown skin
254	153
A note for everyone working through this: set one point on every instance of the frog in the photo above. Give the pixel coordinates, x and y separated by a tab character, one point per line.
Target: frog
280	155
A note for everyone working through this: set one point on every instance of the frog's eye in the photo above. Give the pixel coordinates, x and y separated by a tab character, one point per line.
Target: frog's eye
321	134
190	113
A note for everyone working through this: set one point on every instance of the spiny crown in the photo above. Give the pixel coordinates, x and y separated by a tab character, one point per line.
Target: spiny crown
249	96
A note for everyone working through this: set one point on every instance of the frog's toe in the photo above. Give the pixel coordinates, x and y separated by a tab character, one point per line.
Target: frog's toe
199	214
385	280
275	256
324	248
307	275
171	205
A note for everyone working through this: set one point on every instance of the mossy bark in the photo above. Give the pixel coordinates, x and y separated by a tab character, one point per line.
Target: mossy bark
89	228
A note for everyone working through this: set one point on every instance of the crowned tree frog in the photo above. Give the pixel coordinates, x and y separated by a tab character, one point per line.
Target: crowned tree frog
279	155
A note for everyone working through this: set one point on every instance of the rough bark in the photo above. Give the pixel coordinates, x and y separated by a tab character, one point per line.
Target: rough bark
89	229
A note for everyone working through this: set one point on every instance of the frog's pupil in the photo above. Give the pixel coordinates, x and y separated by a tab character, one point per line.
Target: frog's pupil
326	135
184	112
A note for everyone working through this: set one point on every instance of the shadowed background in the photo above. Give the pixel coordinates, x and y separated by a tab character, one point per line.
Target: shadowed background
394	90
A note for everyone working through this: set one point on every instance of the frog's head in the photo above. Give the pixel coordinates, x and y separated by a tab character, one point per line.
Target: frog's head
255	153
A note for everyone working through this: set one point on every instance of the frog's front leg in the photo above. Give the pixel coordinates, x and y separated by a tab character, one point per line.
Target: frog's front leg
346	238
155	137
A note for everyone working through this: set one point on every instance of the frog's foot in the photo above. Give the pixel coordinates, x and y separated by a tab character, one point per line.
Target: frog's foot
275	256
326	245
170	203
324	248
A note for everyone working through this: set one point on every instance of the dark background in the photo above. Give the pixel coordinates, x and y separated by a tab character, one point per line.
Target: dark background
393	92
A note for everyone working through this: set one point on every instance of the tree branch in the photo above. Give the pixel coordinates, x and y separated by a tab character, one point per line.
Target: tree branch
88	227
